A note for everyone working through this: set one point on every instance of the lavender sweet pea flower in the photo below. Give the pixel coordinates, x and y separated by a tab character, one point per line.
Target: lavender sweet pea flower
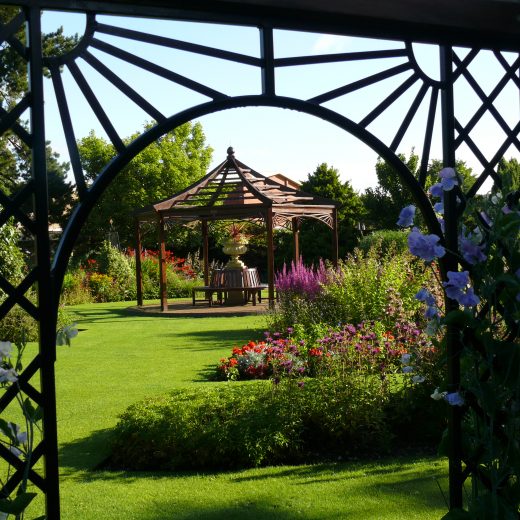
425	246
406	216
437	191
456	282
471	252
469	298
8	375
425	296
454	399
457	289
439	208
5	349
448	178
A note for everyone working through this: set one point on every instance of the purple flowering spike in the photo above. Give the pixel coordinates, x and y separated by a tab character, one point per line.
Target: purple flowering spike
425	246
448	179
406	216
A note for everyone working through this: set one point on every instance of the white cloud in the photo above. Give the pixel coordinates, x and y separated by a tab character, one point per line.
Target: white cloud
330	43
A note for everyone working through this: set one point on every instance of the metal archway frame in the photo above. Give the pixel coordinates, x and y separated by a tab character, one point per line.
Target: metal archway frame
266	15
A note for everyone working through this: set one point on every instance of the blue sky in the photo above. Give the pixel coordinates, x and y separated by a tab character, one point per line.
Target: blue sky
273	140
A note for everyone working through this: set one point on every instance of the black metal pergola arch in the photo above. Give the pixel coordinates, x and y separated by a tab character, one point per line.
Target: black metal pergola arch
267	16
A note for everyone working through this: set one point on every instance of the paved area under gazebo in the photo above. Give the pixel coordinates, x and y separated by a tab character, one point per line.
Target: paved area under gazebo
186	309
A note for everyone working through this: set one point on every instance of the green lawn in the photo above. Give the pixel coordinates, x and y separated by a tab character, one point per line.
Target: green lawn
119	358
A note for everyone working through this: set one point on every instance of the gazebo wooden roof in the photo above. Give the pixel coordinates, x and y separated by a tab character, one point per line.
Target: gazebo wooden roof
233	190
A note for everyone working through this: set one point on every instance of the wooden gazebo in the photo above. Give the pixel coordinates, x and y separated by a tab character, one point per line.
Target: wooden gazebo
234	191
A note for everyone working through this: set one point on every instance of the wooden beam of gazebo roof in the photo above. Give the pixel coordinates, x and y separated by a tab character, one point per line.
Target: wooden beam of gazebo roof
232	190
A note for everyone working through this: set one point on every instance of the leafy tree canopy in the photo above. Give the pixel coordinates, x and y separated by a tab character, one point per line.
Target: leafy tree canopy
384	202
15	156
509	171
316	239
168	165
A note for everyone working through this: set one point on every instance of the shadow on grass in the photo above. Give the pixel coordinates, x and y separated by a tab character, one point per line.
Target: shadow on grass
87	453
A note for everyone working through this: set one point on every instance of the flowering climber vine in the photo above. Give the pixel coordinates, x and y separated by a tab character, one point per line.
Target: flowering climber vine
486	289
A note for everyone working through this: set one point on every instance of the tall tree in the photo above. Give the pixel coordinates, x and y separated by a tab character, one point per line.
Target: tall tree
509	171
384	202
15	164
316	241
165	167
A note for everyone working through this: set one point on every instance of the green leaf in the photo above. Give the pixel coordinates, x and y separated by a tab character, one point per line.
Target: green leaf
18	505
456	514
43	517
7	431
460	318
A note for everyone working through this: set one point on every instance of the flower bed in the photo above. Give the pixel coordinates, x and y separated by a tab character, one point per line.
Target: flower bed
366	347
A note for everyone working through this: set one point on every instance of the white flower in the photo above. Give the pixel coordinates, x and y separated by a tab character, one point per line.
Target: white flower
5	348
8	375
437	396
418	379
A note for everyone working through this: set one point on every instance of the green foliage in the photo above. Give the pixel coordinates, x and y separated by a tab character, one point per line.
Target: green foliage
509	172
118	267
239	426
384	203
376	285
385	241
315	237
12	261
165	167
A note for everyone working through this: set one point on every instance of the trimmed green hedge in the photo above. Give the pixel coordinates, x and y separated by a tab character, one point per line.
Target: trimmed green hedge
252	424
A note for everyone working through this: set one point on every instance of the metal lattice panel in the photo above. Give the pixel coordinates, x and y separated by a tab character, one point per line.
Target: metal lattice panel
104	42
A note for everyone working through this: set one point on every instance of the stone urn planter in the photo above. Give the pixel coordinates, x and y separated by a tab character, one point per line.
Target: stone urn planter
234	247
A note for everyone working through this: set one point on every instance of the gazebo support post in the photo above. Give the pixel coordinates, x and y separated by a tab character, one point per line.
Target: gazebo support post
163	293
270	256
138	266
335	246
205	250
296	238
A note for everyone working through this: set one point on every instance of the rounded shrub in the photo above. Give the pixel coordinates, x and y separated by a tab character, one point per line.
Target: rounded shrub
259	423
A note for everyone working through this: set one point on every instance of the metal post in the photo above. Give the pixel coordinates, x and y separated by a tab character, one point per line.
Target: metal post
270	255
450	263
163	290
138	266
47	299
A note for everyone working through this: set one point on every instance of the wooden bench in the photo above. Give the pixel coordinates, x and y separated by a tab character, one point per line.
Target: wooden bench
215	286
223	282
252	286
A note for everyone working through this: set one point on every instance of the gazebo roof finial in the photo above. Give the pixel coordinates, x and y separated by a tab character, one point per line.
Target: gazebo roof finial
230	151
